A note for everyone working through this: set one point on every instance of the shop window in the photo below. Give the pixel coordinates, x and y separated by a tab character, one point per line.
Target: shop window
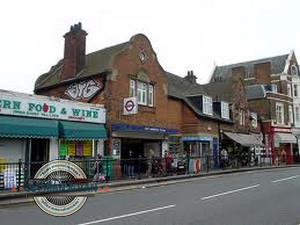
207	105
279	113
225	110
75	149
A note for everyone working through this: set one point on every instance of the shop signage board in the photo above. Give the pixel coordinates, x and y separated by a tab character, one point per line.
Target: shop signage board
17	104
130	106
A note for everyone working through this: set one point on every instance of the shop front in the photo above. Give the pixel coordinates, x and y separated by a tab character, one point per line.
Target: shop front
36	129
244	147
201	150
283	146
136	143
296	146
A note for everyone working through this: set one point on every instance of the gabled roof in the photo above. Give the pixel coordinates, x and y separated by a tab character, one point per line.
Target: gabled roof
180	87
96	63
183	89
278	64
220	91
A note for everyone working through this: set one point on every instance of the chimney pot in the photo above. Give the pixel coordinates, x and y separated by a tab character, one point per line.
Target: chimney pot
74	52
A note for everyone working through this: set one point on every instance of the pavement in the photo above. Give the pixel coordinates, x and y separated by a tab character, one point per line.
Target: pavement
16	197
265	196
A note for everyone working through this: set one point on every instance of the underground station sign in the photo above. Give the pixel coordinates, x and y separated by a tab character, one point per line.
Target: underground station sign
130	106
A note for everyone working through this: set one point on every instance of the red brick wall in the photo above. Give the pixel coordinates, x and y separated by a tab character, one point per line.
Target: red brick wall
128	64
196	124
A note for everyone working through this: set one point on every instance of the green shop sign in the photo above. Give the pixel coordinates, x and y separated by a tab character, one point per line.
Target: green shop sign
47	107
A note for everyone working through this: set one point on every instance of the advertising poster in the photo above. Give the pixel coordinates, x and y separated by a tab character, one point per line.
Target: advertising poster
63	149
71	149
79	149
87	148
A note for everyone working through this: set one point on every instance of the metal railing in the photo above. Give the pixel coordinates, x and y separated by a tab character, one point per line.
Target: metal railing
107	169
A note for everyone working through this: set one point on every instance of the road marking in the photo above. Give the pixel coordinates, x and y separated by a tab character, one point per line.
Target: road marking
230	192
129	215
250	172
284	179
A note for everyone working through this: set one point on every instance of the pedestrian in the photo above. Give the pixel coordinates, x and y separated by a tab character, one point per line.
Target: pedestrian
224	158
98	169
169	161
150	162
130	168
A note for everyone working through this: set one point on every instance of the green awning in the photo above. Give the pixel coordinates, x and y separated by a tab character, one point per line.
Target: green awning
23	127
81	131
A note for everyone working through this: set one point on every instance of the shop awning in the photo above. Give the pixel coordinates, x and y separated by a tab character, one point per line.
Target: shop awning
81	131
23	127
285	138
246	140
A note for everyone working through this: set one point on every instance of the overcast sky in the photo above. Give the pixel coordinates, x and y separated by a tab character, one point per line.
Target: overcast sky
186	35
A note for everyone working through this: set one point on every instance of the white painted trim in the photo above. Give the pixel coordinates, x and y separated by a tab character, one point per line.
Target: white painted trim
273	81
278	99
250	78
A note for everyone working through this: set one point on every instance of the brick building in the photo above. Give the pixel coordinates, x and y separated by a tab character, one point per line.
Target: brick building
244	135
146	107
269	92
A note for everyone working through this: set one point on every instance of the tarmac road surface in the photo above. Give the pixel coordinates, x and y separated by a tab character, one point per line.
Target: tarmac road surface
256	197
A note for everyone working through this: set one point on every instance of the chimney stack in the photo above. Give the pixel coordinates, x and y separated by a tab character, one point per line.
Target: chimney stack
191	77
74	53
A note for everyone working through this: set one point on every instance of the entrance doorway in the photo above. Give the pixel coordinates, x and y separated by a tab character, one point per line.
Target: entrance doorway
39	154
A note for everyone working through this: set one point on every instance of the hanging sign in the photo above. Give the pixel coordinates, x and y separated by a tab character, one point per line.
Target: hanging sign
130	106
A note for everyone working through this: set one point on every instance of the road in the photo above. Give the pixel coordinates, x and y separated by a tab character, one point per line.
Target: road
257	197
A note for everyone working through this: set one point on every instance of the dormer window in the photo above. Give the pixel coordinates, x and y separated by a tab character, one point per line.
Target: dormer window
207	105
225	110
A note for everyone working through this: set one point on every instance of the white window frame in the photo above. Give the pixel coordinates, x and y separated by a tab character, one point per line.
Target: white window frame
142	92
274	88
132	88
291	119
242	117
279	113
289	90
207	105
254	119
295	90
225	110
150	95
297	114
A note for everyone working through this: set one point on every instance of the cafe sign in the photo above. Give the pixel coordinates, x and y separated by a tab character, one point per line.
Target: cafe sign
47	107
